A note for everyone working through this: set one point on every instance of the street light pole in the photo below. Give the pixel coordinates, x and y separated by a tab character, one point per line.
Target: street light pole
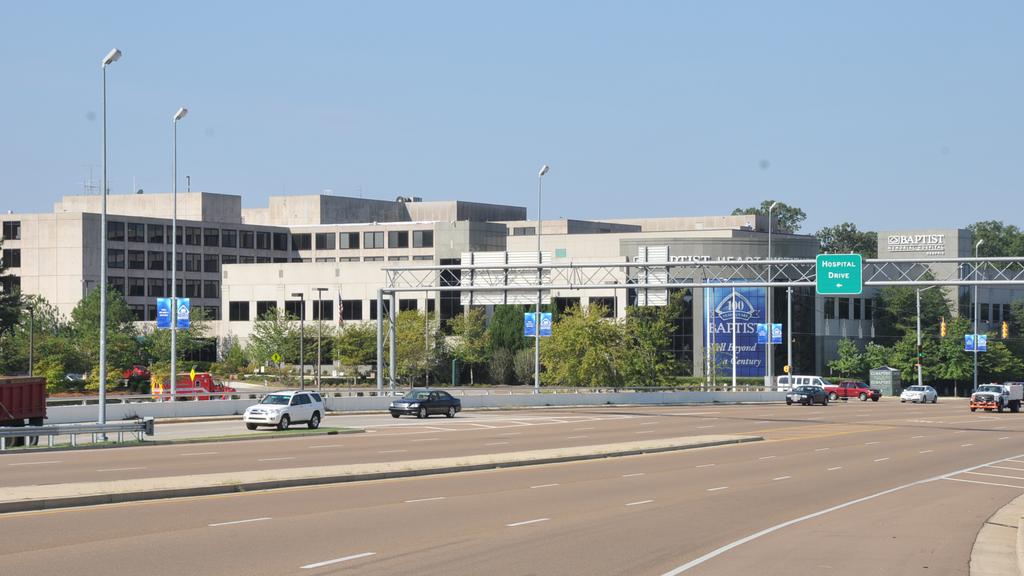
174	254
789	329
979	243
319	330
111	57
768	305
31	338
733	310
302	338
540	280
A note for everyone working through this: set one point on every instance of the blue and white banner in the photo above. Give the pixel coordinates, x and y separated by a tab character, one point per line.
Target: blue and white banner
776	333
970	339
184	310
530	324
718	322
163	313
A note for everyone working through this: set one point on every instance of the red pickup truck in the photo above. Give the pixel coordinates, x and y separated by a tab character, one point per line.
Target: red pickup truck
853	390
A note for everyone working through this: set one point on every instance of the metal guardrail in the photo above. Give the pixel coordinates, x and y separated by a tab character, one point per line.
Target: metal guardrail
141	429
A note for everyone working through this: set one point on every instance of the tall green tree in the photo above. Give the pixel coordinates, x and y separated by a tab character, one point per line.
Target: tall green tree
418	345
1000	239
845	238
789	218
275	332
506	328
647	334
470	341
584	350
849	360
189	341
896	312
123	346
356	344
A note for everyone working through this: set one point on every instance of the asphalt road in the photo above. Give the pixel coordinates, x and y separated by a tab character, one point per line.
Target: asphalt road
857	488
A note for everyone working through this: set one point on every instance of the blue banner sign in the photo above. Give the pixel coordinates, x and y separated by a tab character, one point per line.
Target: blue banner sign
545	323
981	339
776	333
184	309
530	324
163	313
748	313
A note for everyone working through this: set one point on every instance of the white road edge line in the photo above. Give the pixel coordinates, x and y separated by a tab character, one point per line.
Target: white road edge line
882	459
198	453
766	457
717	488
703	465
985	483
425	499
544	485
337	560
31	463
821	449
239	522
121	469
723	549
835	468
925	451
634	474
640	502
781	478
525	522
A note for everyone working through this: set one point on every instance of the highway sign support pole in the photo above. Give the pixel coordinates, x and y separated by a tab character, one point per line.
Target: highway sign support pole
392	361
733	307
789	329
380	342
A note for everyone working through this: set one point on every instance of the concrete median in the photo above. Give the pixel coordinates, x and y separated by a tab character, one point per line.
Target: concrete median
42	497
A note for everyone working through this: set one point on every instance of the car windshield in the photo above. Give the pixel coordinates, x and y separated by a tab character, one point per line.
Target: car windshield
806	389
416	395
277	399
990	388
826	382
915	389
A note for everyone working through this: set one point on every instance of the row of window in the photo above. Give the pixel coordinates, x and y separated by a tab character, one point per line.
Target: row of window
12	230
248	239
147	312
190	262
161	287
242	311
867	312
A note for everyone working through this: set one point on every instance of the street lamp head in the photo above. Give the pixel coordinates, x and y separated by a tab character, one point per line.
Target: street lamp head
113	56
980	242
543	170
772	207
297	294
181	113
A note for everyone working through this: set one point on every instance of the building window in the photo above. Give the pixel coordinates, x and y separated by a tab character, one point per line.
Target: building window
211	237
398	239
524	231
115	231
348	240
302	241
405	304
136	260
373	309
156	233
246	259
323	310
10	284
844	308
373	240
422	238
193	236
263	240
830	308
869	308
156	287
179	259
136	232
351	309
430	306
607	303
238	311
245	239
373	259
325	241
984	313
325	260
263	260
213	312
294	309
211	289
136	286
178	238
856	308
397	258
150	312
423	258
138	312
211	263
193	288
116	283
179	288
115	258
228	259
264	306
229	238
193	262
12	230
280	241
349	259
12	257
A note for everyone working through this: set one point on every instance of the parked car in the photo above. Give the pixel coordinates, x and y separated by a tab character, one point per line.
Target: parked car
786	383
920	394
807	395
423	402
282	409
853	389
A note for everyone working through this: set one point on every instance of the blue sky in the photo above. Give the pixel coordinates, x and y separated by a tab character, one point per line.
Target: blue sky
887	114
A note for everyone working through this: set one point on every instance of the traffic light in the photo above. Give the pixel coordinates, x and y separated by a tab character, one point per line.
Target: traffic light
942	328
1006	330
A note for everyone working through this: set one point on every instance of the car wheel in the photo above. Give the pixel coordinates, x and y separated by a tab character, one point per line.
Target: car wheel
285	422
422	413
875	398
902	401
973	409
824	401
863	397
833	396
451	412
394	414
999	409
314	422
789	402
250	426
936	400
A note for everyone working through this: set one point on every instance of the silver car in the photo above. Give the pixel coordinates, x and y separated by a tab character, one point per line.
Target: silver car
282	409
920	394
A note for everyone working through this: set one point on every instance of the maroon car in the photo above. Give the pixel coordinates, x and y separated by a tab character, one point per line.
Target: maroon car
853	389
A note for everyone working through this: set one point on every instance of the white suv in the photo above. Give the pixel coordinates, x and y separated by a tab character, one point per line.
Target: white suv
282	409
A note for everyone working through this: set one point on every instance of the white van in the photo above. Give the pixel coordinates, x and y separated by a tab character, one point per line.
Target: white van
787	383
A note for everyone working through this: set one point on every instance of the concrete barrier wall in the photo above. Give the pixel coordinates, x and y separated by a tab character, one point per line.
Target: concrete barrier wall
158	410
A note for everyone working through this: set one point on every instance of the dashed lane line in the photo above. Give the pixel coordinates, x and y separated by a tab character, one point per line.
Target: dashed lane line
337	560
639	502
263	519
525	522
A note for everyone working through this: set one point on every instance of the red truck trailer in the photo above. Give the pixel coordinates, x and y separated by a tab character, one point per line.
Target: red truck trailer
22	402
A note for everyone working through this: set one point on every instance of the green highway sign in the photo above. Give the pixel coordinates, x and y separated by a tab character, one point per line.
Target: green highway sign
839	274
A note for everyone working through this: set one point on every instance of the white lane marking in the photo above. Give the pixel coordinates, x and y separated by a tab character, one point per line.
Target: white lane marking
276	459
766	457
1012	460
239	522
693	413
717	488
985	483
870	443
640	502
423	439
525	522
337	560
646	432
481	425
916	437
723	549
582	429
781	478
495	443
1008	468
576	437
704	465
424	499
966	445
34	463
708	426
510	434
1003	438
327	446
633	474
121	469
925	451
835	468
391	451
198	453
709	418
544	485
821	449
996	475
882	459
